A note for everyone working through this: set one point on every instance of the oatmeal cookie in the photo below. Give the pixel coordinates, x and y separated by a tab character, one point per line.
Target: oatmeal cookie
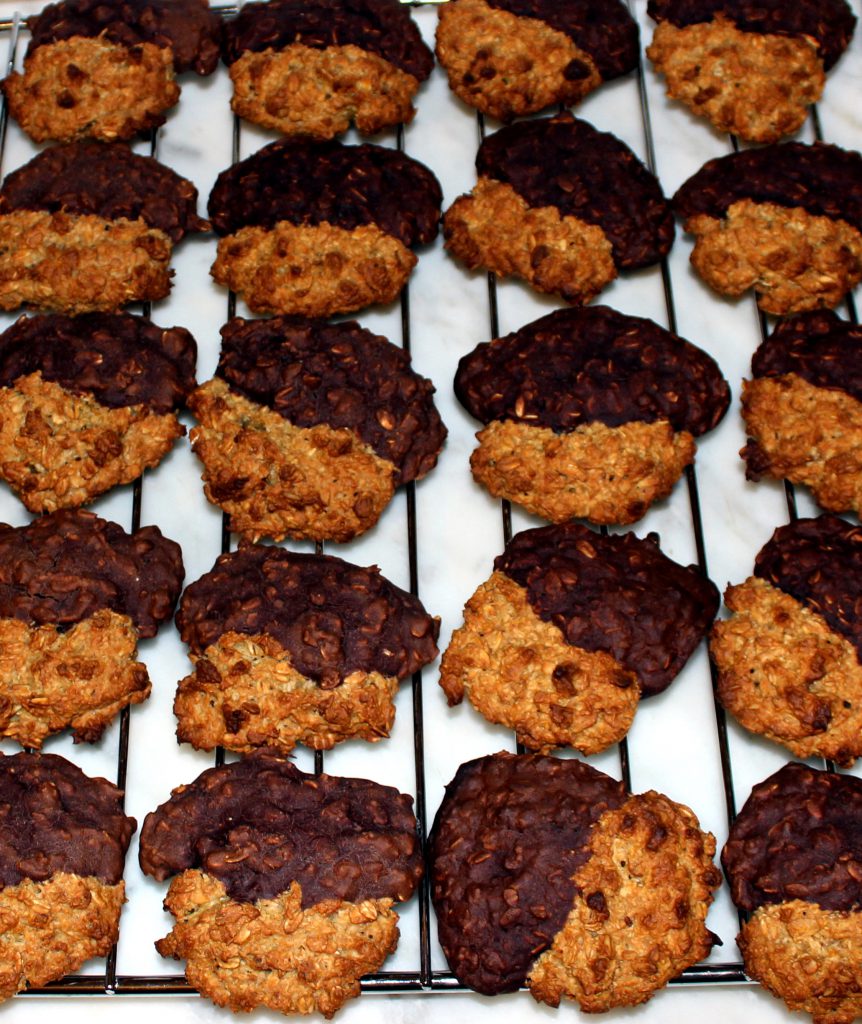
588	413
91	226
285	882
291	241
316	68
63	838
108	71
784	220
545	873
513	57
76	593
88	402
285	669
572	628
792	862
568	232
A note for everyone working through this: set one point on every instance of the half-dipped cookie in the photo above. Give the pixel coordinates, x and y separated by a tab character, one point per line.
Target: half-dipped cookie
784	220
316	68
308	427
63	843
788	658
284	883
588	413
561	205
512	57
792	861
749	67
91	226
76	594
318	228
545	873
571	630
88	402
108	71
803	408
294	648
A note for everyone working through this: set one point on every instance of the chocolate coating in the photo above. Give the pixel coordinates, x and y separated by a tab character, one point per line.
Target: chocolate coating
106	179
829	22
311	372
602	28
306	182
260	823
382	27
118	358
186	27
614	593
819	562
332	617
818	346
590	363
66	566
508	837
588	174
55	818
822	179
798	837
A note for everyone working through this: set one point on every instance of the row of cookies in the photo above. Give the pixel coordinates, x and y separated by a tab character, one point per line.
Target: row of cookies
109	71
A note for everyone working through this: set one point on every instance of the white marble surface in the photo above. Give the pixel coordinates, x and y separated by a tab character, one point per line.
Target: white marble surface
672	745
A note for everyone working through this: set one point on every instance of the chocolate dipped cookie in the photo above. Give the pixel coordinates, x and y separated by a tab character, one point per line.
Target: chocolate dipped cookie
108	71
749	67
308	427
317	228
571	630
803	408
507	58
284	883
561	205
589	413
63	843
545	873
792	861
76	594
294	648
788	658
88	402
316	68
91	226
784	220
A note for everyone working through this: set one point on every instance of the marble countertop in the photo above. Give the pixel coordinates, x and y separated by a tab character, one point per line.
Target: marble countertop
673	744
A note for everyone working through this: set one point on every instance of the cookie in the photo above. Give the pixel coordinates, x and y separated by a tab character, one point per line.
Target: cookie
63	843
317	68
507	58
90	226
87	403
108	71
784	220
76	594
571	630
317	228
792	861
294	648
788	658
545	873
748	67
284	882
308	427
589	413
561	205
803	409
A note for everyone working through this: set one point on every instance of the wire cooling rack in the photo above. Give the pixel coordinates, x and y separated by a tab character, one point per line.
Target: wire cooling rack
439	537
